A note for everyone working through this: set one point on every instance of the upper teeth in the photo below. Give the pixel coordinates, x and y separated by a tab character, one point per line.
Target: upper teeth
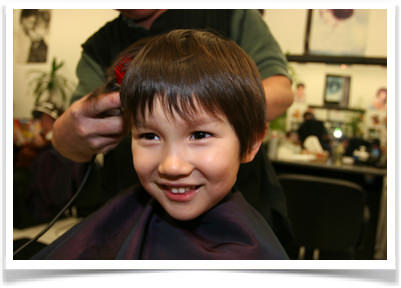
180	189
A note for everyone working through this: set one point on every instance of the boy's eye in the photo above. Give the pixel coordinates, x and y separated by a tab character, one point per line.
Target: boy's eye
149	136
200	135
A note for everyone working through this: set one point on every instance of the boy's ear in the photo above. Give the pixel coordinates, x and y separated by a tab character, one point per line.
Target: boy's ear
255	148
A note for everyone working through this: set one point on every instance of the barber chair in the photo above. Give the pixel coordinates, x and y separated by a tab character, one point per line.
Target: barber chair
327	215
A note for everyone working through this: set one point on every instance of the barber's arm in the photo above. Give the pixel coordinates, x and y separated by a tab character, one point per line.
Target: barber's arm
253	35
279	95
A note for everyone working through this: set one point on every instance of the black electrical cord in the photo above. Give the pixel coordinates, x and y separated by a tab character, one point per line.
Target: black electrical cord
109	86
88	170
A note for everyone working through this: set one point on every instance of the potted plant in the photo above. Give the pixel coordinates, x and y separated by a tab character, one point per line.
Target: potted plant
51	86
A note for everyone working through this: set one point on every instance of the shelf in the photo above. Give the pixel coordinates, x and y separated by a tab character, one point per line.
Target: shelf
337	59
337	108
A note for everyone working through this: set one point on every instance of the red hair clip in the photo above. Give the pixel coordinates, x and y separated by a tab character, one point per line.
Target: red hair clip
121	68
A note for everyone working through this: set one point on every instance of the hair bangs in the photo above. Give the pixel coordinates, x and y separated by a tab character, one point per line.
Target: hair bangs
183	85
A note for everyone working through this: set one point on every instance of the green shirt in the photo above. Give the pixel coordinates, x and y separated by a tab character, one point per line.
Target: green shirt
248	30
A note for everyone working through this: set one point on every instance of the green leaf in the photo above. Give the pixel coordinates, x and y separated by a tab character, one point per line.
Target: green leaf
51	82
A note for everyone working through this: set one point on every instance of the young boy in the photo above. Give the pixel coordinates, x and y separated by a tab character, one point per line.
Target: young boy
196	108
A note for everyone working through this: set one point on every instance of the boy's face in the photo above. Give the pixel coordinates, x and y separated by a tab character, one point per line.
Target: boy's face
188	167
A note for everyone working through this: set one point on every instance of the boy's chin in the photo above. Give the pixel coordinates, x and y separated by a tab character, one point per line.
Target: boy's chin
188	213
183	215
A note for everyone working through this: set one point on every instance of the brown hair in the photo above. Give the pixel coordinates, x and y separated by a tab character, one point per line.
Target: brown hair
186	68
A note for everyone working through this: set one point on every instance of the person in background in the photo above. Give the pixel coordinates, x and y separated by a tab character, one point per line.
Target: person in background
44	115
313	127
43	180
187	145
83	130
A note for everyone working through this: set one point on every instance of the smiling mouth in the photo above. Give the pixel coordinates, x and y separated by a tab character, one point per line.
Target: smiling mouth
180	189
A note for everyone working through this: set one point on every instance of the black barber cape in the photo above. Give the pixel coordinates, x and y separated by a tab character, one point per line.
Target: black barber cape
134	226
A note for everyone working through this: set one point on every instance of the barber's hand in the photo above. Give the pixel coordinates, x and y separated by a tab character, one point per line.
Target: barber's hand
89	127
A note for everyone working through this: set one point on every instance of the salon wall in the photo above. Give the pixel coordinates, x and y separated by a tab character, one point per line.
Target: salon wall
70	28
289	26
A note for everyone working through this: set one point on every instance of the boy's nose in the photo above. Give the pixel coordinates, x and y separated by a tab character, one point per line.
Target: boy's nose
174	164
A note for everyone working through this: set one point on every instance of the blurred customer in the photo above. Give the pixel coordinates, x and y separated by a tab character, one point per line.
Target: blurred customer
44	115
313	127
43	181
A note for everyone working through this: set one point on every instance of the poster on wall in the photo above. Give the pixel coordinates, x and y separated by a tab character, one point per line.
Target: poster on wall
337	32
380	99
31	35
336	92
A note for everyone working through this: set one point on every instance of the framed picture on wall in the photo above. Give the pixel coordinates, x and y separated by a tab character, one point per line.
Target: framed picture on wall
336	91
336	32
31	37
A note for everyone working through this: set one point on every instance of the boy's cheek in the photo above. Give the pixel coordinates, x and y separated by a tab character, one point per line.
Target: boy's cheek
222	160
141	160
